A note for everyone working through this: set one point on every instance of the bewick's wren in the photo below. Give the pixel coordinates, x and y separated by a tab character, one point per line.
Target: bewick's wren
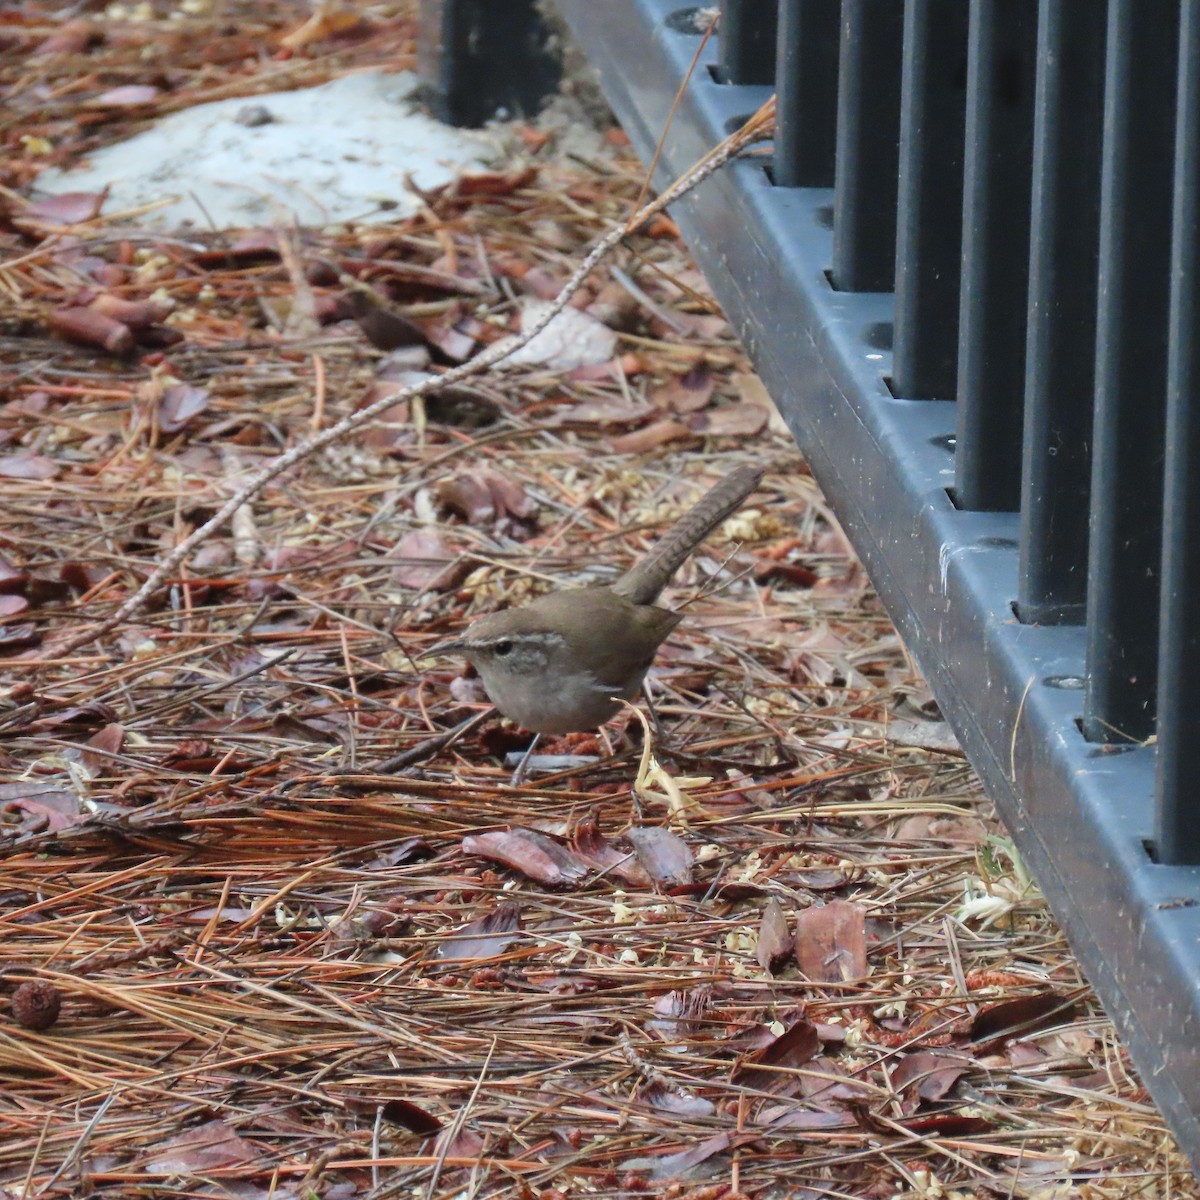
561	662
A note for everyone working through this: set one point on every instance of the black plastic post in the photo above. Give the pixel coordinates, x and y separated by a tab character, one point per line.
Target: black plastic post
929	233
747	34
1001	53
1061	348
1177	816
483	58
806	85
1125	551
868	146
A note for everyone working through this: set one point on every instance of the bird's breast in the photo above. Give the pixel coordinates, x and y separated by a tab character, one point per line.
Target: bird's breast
559	702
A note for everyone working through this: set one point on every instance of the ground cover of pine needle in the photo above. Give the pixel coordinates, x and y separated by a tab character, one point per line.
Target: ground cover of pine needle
786	952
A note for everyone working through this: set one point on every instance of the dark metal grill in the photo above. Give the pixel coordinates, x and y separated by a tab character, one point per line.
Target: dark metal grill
990	354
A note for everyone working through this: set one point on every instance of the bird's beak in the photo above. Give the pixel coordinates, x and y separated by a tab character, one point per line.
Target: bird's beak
453	646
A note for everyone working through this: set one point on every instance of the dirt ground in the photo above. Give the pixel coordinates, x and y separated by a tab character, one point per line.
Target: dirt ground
785	950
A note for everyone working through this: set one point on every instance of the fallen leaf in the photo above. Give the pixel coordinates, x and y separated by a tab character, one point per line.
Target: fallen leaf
676	1013
658	1096
411	1117
602	413
534	854
946	1125
18	637
663	854
485	937
28	466
955	831
732	420
67	208
326	22
124	97
11	605
52	807
686	393
657	433
424	562
384	329
775	943
752	390
828	1083
572	339
12	578
591	846
468	496
491	183
103	744
669	1166
831	944
786	1116
208	1147
769	1069
179	404
933	1073
1009	1019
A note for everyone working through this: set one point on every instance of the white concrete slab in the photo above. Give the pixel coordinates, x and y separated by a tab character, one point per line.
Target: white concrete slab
325	155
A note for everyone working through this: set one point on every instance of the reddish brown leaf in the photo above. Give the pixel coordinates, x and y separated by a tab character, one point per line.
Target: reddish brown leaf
179	404
591	846
28	466
534	854
68	208
1018	1018
769	1069
669	1166
656	434
775	941
469	496
72	38
664	855
12	606
18	637
107	741
49	807
208	1147
831	944
946	1124
509	496
451	341
137	314
493	183
829	1083
128	96
686	393
933	1073
733	420
411	1117
91	328
485	937
658	1096
12	578
383	328
786	1116
424	562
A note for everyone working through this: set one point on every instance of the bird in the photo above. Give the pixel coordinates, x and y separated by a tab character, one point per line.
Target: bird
564	661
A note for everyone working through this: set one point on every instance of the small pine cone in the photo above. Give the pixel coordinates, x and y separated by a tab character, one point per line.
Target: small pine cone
36	1004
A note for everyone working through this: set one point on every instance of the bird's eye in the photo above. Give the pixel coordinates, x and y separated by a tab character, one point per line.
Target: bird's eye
500	649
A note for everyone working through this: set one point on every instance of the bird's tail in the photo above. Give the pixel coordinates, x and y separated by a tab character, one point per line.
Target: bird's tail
643	581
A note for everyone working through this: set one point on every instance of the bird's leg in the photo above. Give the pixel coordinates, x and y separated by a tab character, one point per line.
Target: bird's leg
518	776
660	734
